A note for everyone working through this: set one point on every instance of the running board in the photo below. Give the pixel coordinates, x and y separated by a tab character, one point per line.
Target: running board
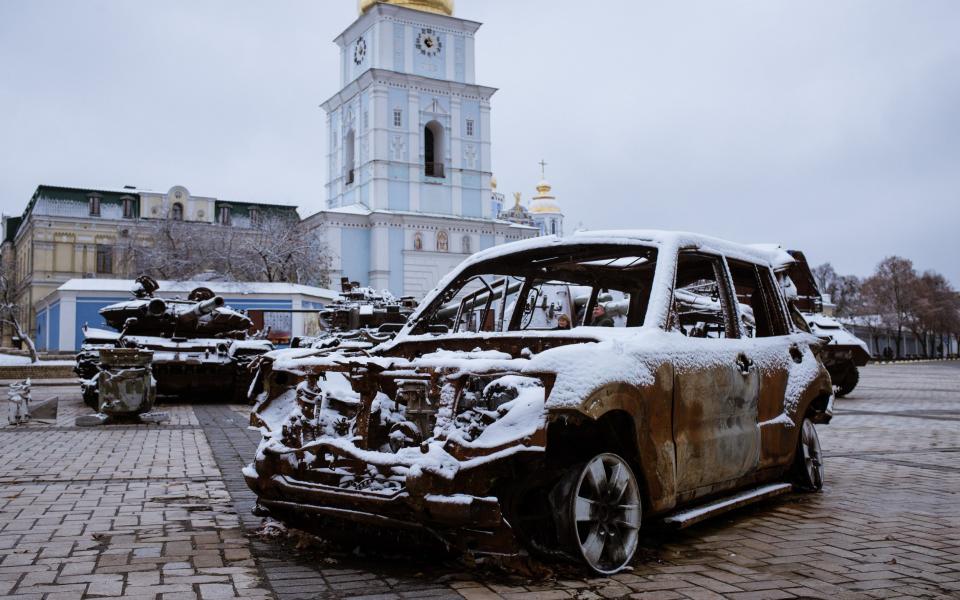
686	518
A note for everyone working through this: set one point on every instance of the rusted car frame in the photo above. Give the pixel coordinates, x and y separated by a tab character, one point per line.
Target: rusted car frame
496	438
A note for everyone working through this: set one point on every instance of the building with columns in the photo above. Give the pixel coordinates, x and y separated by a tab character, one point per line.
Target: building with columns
409	188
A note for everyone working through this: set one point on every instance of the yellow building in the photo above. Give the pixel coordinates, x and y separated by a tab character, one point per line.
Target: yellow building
68	233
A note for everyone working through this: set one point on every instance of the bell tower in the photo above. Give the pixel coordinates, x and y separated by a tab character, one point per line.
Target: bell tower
409	131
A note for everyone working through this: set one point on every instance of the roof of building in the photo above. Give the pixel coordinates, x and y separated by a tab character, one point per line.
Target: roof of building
361	210
218	287
442	7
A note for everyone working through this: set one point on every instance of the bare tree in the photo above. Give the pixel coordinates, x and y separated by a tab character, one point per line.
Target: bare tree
10	312
844	290
277	249
284	250
891	293
936	311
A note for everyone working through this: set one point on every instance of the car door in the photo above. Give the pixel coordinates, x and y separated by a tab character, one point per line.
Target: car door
717	387
764	320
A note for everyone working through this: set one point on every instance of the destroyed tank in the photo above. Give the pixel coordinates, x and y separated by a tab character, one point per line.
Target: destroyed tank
360	318
842	353
199	345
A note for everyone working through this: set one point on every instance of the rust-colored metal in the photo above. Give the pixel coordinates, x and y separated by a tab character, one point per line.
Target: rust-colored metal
393	437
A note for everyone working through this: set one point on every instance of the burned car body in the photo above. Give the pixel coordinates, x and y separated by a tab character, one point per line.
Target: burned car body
843	353
198	345
550	396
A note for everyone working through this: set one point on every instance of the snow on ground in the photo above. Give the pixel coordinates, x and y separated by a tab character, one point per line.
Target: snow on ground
12	360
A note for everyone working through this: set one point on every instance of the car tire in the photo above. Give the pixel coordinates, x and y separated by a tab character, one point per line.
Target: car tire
851	377
808	465
599	512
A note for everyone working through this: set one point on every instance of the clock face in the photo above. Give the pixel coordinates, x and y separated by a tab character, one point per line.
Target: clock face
360	51
428	43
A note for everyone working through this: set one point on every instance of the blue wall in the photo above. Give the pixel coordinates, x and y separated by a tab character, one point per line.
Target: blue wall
40	341
471	197
355	254
88	313
436	199
396	261
398	189
53	342
486	241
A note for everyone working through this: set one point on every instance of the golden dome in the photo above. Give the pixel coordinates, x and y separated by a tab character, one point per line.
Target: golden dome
493	182
442	7
543	202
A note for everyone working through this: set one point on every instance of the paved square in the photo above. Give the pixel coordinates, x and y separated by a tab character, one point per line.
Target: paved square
161	512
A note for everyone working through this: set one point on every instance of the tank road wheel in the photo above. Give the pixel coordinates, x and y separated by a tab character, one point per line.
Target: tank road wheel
601	513
808	465
850	379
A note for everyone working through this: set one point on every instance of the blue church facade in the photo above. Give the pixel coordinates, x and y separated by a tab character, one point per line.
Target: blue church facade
409	168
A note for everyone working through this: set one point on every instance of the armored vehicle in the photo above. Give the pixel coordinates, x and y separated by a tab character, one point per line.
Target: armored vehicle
199	346
361	316
843	352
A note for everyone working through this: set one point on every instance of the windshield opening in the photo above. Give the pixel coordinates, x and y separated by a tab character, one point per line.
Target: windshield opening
550	289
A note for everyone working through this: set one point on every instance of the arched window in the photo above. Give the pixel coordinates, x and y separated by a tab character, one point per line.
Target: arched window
349	146
433	149
418	241
443	241
176	211
553	227
465	245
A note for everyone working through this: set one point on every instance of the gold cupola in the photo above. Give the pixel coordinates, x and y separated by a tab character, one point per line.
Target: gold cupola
441	7
544	202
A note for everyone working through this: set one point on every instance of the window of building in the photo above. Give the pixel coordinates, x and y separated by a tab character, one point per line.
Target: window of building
224	217
255	219
470	127
443	241
127	207
397	117
465	245
433	149
349	149
94	205
418	241
176	212
104	259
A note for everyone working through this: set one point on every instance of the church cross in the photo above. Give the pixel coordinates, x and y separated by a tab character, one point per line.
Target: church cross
543	169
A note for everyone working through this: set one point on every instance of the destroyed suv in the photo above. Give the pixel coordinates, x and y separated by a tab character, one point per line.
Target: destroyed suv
550	396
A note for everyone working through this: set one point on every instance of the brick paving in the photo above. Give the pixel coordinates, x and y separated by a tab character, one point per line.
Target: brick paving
161	512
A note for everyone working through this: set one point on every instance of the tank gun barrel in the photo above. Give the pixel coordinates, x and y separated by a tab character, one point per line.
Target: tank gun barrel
156	307
206	307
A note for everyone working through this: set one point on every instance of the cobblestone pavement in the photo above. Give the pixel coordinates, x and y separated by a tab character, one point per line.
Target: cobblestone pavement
162	512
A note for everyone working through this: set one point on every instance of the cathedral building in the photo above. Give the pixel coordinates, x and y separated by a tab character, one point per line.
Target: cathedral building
410	192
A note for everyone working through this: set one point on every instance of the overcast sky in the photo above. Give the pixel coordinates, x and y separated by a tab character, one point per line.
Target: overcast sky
830	126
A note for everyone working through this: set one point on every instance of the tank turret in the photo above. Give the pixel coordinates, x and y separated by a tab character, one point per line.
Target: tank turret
201	315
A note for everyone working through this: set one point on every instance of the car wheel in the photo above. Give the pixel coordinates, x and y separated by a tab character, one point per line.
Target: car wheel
851	378
809	462
600	513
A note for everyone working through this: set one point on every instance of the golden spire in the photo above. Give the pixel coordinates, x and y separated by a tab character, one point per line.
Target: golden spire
442	7
516	197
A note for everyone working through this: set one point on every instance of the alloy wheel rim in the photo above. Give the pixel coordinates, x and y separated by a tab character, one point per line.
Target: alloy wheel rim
607	513
813	460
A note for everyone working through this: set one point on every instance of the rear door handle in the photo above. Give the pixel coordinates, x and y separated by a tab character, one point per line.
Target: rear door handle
796	353
744	363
